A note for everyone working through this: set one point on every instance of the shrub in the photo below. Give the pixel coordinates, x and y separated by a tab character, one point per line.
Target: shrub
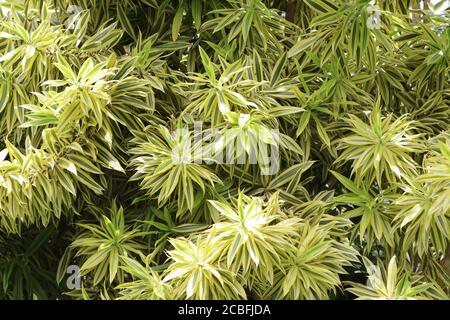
238	149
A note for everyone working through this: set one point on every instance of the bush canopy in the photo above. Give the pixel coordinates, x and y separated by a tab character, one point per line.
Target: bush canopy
224	149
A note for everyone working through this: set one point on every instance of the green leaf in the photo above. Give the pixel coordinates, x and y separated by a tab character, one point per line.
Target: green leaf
177	20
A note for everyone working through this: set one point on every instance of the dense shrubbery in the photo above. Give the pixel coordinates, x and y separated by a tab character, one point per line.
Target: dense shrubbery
353	99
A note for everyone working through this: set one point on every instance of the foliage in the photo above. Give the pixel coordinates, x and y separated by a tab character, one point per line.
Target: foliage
116	123
393	284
